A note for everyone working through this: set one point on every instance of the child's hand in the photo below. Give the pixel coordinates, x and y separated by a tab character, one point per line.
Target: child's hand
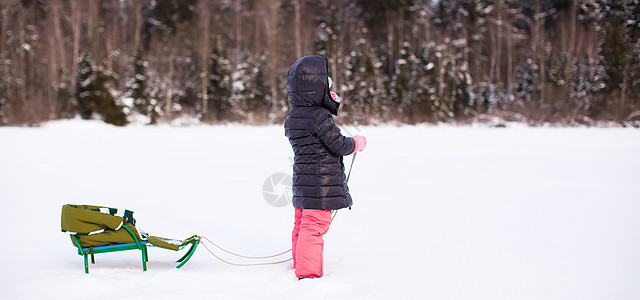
335	97
360	143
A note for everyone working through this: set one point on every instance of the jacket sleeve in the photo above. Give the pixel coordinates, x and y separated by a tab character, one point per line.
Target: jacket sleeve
331	137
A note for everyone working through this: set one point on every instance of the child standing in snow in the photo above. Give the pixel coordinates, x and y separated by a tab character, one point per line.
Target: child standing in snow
318	171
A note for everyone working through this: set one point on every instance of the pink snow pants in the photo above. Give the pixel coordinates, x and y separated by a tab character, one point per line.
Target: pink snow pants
308	228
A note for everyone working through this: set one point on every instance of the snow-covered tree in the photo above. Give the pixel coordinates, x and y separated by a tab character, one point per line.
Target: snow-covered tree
220	85
403	82
85	71
618	54
94	94
524	84
363	91
327	36
4	92
587	84
634	33
143	90
138	85
443	82
486	56
249	99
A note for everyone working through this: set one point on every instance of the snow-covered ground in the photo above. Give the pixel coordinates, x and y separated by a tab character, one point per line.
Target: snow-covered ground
439	213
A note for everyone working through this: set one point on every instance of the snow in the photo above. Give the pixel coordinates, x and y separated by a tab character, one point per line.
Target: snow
439	212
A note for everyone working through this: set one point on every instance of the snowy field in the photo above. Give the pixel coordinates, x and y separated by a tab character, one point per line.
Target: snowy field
439	213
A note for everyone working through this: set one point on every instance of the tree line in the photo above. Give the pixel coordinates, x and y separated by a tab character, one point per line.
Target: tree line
562	62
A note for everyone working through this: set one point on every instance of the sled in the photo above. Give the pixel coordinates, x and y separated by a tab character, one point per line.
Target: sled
97	230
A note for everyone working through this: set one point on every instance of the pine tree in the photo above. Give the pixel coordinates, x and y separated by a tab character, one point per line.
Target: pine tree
219	88
325	39
259	98
363	89
525	85
587	83
402	82
444	83
327	34
616	53
107	104
94	94
249	99
138	85
4	106
4	93
633	23
85	70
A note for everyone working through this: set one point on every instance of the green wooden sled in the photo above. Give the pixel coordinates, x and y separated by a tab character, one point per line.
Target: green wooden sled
86	251
114	234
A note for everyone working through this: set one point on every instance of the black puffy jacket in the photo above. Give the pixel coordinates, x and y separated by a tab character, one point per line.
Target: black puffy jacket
318	145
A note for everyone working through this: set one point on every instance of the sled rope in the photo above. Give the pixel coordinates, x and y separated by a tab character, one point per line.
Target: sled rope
243	265
335	212
351	167
243	256
263	257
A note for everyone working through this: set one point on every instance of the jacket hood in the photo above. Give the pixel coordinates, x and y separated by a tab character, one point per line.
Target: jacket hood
307	83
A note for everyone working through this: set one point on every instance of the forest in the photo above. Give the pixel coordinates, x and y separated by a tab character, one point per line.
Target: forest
539	62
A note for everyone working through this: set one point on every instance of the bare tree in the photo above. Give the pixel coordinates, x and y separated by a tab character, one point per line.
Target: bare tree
573	13
4	13
138	26
298	27
269	13
496	45
76	24
204	48
22	52
57	57
539	51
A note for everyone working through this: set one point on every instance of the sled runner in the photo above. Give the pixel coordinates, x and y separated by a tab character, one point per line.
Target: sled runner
97	229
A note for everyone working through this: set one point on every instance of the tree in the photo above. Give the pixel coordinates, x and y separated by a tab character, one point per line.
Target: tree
249	99
170	13
423	59
524	83
634	72
220	88
363	90
94	94
138	85
85	70
616	52
430	85
4	98
326	41
403	82
170	25
140	92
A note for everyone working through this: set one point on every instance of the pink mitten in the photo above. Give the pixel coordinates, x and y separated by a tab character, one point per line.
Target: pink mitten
335	97
360	143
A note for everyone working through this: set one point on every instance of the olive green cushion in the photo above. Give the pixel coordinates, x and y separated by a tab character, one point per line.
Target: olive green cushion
95	228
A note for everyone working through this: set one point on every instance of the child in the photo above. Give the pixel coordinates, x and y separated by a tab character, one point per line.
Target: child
318	171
